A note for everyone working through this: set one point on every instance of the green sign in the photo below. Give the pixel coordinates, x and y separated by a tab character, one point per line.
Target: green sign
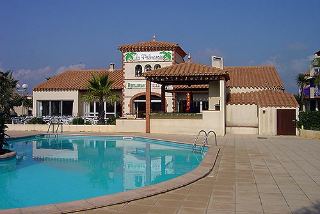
154	56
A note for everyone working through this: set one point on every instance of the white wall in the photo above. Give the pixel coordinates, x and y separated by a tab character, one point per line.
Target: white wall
129	77
268	120
242	116
124	125
72	95
242	130
211	121
66	128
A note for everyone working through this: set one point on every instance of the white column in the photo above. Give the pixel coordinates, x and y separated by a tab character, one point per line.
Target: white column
200	106
94	108
115	109
105	109
85	109
223	105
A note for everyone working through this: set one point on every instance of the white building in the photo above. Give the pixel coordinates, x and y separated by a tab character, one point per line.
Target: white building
248	99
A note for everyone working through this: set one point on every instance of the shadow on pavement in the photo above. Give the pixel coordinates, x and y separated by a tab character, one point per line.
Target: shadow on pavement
315	209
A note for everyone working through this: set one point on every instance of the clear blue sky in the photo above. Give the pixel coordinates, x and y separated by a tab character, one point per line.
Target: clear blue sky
39	38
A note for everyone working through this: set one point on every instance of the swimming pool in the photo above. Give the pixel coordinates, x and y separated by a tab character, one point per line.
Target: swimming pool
60	169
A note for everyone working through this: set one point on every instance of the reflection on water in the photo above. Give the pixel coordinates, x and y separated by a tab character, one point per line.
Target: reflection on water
72	168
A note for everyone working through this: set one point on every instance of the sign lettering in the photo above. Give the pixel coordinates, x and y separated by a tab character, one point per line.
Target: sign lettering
158	56
141	85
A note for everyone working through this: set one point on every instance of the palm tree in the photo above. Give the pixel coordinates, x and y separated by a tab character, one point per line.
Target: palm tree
99	89
166	55
129	56
301	82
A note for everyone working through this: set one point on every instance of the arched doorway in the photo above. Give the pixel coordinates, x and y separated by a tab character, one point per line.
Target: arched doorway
138	104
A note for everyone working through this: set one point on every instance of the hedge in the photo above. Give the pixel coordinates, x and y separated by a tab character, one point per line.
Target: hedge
310	120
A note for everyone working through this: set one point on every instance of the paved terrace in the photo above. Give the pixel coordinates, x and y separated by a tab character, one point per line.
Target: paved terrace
252	175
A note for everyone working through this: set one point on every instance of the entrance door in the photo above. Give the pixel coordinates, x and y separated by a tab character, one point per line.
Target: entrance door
140	108
286	122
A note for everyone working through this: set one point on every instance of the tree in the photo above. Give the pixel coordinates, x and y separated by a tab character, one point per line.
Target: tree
3	134
7	93
301	82
7	87
99	89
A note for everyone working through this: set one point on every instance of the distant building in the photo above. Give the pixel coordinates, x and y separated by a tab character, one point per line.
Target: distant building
251	99
312	90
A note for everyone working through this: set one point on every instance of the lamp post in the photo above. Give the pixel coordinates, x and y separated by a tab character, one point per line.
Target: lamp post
22	89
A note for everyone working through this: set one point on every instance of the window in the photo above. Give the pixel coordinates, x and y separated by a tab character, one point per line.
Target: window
91	108
109	107
157	66
138	71
67	107
55	108
45	108
147	68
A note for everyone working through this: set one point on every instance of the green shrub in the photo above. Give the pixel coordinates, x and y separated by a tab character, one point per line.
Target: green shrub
78	121
36	120
87	123
111	120
310	120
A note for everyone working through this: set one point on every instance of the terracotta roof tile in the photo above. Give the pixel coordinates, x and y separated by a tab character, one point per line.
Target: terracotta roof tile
265	77
152	46
186	69
78	80
264	98
180	87
254	76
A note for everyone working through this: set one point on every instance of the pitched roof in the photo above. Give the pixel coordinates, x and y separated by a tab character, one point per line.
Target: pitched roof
186	69
78	80
153	46
263	98
265	77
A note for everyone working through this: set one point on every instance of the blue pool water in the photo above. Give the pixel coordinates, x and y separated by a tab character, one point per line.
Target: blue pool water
55	170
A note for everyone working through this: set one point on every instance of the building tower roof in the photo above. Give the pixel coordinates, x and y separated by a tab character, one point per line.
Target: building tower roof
153	45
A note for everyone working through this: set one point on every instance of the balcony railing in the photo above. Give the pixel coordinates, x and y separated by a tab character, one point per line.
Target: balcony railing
311	92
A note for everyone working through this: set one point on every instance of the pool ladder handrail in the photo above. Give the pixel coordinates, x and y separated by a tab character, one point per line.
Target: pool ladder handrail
57	122
205	143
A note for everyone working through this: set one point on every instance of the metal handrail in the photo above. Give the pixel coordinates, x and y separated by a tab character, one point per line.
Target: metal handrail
215	136
59	123
196	138
205	142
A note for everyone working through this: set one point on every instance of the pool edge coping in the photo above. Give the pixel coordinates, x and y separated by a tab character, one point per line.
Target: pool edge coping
205	168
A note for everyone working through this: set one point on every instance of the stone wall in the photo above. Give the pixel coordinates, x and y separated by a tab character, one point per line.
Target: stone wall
309	133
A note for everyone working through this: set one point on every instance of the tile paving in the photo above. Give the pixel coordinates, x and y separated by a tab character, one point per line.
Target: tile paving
273	175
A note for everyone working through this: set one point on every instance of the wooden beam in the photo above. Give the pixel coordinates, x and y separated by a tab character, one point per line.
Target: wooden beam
163	98
148	105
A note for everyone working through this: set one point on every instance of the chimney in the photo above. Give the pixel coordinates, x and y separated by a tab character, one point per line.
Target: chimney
217	62
111	67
